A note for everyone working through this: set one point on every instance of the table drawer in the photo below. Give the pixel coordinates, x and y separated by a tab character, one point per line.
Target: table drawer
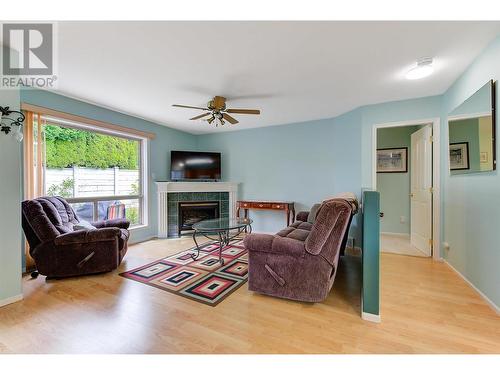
277	206
261	205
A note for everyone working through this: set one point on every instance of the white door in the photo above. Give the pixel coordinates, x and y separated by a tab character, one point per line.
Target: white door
421	189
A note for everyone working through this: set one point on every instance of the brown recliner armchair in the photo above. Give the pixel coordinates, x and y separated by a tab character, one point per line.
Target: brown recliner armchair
300	262
61	251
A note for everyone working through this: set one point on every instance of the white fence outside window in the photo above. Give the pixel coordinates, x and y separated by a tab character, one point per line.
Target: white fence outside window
93	182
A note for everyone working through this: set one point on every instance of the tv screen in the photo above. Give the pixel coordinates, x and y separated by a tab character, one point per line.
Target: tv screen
191	165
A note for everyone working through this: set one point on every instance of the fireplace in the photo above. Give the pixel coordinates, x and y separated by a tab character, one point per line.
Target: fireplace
192	212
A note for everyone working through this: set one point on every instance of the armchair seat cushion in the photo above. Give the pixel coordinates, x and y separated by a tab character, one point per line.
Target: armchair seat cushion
86	236
297	231
266	243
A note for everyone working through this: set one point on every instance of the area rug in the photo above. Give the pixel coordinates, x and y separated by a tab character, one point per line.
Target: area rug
204	279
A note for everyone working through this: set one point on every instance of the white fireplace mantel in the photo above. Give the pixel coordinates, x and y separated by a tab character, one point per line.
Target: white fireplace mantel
165	187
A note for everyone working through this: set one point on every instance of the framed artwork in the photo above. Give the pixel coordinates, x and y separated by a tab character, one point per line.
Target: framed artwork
392	160
459	156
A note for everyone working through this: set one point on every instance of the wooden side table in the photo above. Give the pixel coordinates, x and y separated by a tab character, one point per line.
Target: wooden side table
288	207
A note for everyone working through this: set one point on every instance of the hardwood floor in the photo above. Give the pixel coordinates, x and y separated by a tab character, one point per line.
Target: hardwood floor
426	308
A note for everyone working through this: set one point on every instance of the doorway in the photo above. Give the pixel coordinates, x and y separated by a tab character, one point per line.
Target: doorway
405	164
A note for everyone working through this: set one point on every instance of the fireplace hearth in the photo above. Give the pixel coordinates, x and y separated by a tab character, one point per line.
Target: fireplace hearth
192	212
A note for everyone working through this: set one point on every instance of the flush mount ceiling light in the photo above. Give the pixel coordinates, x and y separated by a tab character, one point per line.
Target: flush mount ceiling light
422	69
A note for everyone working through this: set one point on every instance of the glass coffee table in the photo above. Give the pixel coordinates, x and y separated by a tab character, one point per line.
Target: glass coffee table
222	230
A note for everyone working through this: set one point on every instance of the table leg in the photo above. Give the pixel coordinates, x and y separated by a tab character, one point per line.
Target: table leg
197	247
287	217
246	217
293	214
238	213
223	236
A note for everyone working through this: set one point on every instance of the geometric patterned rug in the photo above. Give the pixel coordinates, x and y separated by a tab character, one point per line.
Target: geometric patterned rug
204	279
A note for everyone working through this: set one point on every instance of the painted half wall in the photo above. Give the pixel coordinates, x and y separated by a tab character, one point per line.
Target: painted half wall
10	207
167	139
472	201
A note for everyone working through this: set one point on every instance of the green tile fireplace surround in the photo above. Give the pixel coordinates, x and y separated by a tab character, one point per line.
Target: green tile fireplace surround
171	193
173	200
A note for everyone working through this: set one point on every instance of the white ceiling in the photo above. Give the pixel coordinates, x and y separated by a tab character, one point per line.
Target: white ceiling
292	71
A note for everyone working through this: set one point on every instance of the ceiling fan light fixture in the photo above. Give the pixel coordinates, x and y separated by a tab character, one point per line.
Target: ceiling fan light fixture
422	69
218	113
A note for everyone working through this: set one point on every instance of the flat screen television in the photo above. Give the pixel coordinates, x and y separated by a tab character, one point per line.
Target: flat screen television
192	165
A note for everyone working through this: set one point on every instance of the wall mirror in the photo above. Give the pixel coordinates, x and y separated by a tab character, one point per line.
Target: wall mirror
471	130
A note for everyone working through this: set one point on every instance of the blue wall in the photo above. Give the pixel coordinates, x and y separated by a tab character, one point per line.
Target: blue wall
302	162
167	139
472	202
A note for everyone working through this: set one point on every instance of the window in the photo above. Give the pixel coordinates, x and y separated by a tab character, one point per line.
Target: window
100	172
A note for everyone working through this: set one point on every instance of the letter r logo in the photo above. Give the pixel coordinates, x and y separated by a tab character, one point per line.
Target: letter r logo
27	49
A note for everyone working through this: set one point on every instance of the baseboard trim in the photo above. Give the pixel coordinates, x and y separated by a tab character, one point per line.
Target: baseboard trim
8	301
149	238
370	317
488	301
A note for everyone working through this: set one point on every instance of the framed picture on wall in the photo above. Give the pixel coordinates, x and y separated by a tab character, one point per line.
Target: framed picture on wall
392	160
459	156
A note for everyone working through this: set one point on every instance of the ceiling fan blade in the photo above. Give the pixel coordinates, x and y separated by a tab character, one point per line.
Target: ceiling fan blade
244	111
188	106
200	116
230	119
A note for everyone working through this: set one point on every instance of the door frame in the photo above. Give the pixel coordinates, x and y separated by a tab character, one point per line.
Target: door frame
436	173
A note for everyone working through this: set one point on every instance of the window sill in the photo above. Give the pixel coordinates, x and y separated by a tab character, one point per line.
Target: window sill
136	227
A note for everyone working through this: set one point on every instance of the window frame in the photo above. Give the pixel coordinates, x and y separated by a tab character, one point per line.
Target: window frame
142	197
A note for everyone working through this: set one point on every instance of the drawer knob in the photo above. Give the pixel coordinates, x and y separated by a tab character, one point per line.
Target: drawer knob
260	205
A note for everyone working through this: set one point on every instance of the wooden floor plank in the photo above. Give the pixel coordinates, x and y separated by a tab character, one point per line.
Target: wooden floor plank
425	308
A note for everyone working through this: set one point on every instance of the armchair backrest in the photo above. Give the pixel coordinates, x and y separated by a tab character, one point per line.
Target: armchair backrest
329	230
45	218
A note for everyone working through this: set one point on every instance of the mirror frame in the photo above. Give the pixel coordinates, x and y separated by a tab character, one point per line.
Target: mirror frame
493	124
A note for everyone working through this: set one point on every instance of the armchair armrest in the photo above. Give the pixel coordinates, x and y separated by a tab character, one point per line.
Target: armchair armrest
302	216
112	223
86	236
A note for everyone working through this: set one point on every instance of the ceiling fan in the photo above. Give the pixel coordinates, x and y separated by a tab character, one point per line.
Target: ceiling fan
218	113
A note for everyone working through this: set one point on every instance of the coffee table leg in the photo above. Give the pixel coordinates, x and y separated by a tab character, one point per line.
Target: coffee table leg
222	242
197	247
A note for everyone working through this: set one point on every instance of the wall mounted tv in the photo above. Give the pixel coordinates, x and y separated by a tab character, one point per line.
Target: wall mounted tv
192	165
